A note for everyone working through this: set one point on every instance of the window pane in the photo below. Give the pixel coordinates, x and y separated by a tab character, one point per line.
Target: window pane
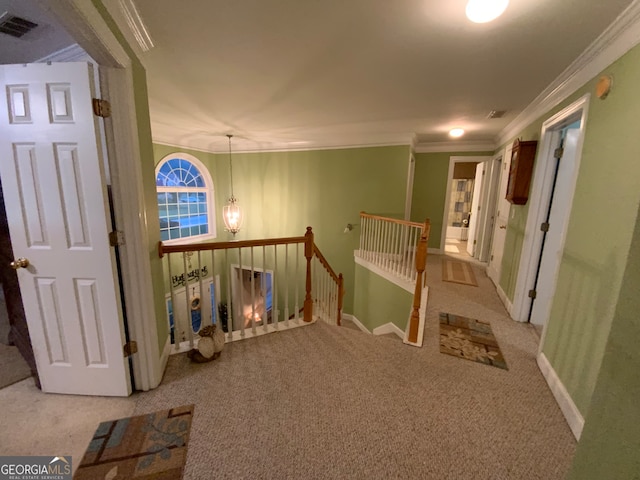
195	230
202	197
204	229
193	208
174	233
164	235
184	232
162	198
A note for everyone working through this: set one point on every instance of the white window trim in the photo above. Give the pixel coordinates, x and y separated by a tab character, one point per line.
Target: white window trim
209	189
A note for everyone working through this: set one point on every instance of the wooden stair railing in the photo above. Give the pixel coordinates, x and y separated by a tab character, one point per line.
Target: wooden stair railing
398	247
338	279
421	264
310	251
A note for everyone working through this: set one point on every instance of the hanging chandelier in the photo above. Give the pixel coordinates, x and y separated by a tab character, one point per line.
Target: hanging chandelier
231	212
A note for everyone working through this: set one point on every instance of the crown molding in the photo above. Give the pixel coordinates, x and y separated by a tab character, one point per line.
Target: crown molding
620	36
72	53
136	25
441	147
274	148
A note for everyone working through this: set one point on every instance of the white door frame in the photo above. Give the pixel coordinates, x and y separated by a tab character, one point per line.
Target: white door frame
409	196
492	181
85	24
541	190
447	198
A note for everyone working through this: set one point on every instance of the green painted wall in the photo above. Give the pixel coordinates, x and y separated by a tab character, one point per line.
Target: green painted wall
430	189
599	231
610	443
378	301
145	145
284	192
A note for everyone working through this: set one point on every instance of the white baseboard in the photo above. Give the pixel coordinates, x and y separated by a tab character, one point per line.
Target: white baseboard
571	413
162	364
388	328
505	300
357	322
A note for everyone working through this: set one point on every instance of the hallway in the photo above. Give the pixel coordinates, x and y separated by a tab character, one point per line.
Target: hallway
350	405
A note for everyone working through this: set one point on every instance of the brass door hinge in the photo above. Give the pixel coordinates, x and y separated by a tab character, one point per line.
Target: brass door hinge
130	348
558	152
101	108
532	294
116	238
544	227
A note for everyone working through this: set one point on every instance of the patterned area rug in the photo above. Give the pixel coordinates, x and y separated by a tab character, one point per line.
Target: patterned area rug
458	272
143	447
471	339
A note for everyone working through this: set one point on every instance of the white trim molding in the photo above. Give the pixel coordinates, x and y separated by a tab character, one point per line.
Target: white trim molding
389	328
571	413
540	192
406	285
72	53
357	323
620	36
440	147
85	24
505	300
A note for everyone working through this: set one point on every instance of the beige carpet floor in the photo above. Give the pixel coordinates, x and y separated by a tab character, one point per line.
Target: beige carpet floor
330	402
13	367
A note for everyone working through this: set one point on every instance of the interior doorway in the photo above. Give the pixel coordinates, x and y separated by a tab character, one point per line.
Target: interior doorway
464	198
555	177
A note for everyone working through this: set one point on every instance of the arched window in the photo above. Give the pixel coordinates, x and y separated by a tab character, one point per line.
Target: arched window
185	198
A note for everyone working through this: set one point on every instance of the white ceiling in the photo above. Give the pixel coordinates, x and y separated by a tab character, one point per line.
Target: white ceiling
302	74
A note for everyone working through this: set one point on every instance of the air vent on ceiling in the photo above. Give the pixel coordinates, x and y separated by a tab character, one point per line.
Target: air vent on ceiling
496	114
15	26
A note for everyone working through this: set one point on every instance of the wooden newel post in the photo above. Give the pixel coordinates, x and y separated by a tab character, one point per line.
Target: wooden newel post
340	295
421	263
308	253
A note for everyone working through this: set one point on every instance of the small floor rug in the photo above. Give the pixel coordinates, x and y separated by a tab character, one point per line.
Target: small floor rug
458	272
144	447
471	339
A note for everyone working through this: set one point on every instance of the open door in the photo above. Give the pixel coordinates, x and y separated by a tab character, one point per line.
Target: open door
474	222
494	268
19	332
55	195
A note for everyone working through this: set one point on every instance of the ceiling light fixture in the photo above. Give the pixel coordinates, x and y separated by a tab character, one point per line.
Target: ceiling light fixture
483	11
456	132
231	212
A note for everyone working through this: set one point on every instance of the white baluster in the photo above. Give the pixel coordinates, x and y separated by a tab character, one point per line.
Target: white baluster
286	283
297	277
263	289
187	300
274	289
230	315
253	296
176	340
240	307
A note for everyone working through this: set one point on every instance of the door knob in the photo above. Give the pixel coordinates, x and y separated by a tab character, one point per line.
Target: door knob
503	226
19	263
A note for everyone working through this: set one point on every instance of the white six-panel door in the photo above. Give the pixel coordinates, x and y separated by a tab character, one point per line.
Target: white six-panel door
52	177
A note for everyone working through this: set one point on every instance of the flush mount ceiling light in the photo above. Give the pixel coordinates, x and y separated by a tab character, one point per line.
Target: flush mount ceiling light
456	132
483	11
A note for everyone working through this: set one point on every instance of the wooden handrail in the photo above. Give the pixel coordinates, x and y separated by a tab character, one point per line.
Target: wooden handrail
310	249
391	220
324	262
194	247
